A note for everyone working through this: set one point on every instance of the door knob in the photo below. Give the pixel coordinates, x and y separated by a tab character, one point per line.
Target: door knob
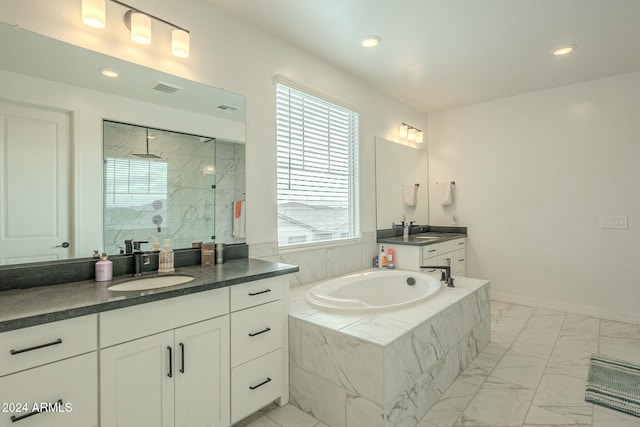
63	245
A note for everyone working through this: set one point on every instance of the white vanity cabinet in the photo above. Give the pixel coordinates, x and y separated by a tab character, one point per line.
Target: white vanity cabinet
175	372
259	357
450	252
48	374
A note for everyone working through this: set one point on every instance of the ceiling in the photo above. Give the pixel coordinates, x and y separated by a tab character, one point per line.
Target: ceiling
440	54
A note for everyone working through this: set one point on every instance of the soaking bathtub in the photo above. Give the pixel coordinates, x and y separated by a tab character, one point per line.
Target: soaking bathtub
372	291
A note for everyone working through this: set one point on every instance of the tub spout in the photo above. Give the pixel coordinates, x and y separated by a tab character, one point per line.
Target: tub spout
446	273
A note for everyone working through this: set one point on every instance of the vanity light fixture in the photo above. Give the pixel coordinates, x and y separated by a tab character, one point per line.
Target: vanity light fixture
139	24
411	133
94	13
371	41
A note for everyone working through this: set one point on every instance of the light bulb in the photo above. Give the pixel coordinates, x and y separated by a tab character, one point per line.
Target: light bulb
93	13
140	28
180	43
419	136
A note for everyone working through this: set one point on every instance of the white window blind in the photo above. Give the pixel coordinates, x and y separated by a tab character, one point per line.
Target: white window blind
317	169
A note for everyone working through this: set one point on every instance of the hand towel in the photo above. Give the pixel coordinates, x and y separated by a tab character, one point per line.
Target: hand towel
239	219
447	194
409	193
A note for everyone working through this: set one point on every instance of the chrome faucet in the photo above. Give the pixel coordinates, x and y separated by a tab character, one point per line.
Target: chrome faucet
446	273
407	229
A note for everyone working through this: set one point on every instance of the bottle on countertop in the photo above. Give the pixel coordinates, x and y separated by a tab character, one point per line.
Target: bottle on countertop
391	258
104	269
383	259
207	254
165	259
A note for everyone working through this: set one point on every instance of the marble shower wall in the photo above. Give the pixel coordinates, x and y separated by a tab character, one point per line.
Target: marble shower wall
230	187
186	208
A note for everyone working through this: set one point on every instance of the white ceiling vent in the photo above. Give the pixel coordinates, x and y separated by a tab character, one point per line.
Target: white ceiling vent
166	87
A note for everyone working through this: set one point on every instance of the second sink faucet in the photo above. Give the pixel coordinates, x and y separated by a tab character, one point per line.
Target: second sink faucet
140	257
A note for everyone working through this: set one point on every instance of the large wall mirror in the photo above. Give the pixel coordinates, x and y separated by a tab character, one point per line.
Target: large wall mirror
66	129
402	186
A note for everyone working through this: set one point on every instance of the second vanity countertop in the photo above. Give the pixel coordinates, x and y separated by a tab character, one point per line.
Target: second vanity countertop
21	308
419	240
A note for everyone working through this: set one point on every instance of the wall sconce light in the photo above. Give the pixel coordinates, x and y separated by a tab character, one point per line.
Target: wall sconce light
139	24
411	133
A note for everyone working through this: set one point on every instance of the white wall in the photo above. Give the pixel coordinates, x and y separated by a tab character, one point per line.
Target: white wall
533	175
237	57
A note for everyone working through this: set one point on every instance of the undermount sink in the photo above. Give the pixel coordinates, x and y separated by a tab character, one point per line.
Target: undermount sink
426	237
150	283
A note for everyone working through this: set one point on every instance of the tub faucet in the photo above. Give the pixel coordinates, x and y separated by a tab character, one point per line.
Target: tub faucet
446	273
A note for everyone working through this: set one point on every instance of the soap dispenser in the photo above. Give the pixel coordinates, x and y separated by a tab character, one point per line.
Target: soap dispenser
104	269
165	260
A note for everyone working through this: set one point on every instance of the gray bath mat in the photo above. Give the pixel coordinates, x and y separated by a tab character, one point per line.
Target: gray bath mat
614	384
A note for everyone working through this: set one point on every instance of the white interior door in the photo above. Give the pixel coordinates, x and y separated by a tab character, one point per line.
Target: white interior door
35	184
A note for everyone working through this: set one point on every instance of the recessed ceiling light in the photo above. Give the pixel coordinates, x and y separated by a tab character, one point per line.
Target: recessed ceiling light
107	72
563	50
371	41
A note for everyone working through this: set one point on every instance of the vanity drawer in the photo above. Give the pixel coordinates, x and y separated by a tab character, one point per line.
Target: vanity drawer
429	251
255	384
70	386
258	292
459	262
37	345
126	324
255	331
460	243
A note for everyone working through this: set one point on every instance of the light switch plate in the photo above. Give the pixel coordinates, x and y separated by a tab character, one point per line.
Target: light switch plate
613	221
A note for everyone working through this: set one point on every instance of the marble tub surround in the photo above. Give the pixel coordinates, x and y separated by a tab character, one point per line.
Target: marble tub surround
20	308
385	369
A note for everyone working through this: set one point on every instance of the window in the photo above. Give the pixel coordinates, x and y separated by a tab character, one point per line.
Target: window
317	169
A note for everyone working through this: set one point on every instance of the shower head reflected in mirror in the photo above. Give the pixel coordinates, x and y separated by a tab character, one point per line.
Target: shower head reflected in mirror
147	155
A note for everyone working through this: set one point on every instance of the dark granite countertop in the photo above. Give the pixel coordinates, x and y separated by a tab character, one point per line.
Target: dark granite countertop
21	308
417	240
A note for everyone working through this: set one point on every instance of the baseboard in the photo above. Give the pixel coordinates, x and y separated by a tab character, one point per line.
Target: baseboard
583	310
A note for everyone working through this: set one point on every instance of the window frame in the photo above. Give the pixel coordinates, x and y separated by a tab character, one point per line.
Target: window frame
352	178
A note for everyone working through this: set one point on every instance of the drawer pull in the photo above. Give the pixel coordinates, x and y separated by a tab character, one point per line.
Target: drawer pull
253	387
461	259
24	350
182	357
37	411
460	243
170	374
253	294
432	250
258	333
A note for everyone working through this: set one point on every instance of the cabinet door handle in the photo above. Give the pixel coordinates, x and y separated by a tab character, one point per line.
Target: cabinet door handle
252	294
24	350
253	387
36	411
170	374
182	357
258	333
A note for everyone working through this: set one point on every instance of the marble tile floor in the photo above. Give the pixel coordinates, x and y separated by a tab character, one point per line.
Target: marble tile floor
532	374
